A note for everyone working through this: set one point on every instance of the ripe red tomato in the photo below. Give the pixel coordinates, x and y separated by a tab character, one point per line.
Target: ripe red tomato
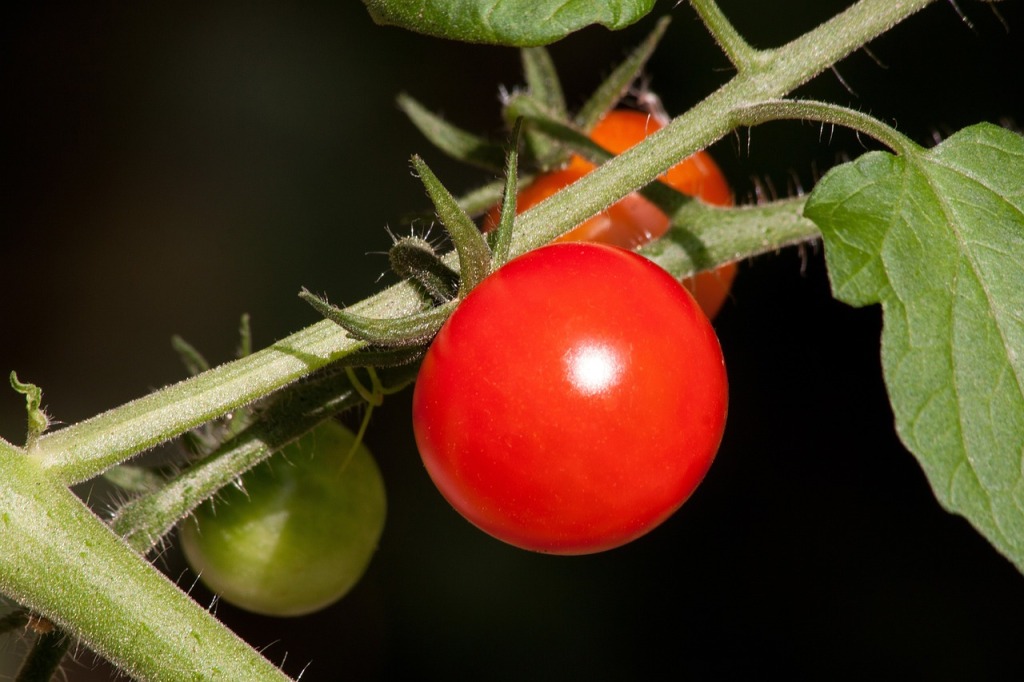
573	401
634	221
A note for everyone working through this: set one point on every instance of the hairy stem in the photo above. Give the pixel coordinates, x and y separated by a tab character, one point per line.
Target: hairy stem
824	112
735	47
59	558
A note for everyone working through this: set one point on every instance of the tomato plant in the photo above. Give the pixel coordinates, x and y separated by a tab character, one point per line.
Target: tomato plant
573	401
634	221
299	531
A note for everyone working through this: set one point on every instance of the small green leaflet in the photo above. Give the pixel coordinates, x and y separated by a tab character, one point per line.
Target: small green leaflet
937	237
520	23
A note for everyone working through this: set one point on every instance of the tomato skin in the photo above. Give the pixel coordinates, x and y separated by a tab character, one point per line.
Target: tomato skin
300	533
560	411
633	221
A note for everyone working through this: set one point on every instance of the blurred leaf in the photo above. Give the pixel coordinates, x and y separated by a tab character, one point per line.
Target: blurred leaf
543	85
542	79
452	140
616	85
937	237
519	23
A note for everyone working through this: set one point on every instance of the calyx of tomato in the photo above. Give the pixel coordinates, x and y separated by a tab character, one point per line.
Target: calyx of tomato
415	259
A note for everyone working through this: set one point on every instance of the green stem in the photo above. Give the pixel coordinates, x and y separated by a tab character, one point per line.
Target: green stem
735	47
724	235
824	112
70	567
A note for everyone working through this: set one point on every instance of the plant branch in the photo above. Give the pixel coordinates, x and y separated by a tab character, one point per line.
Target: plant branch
736	48
58	558
703	236
824	112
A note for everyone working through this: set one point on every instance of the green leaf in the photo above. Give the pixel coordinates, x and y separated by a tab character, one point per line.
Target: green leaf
519	23
937	237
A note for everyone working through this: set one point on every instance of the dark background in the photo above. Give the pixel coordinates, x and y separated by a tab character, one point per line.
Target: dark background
170	167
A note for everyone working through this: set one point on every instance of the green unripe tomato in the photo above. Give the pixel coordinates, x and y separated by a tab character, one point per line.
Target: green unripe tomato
299	533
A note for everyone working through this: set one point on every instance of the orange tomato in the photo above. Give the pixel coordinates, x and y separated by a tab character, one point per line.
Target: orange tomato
633	220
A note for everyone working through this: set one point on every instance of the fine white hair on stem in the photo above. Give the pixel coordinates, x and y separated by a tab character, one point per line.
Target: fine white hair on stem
843	82
963	17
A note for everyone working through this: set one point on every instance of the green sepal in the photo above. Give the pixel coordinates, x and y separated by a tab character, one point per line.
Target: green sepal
193	360
617	84
414	258
474	254
539	118
542	78
397	332
38	422
483	198
452	140
502	243
244	337
542	84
